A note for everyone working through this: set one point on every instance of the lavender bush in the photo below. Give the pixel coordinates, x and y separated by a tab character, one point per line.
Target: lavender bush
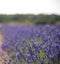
32	44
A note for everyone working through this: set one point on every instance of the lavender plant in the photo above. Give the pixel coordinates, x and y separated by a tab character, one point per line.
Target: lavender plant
32	45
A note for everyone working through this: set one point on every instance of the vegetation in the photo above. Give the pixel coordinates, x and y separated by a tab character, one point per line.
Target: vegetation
39	44
36	19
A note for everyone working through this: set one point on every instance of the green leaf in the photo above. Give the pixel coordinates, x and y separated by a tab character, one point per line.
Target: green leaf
41	54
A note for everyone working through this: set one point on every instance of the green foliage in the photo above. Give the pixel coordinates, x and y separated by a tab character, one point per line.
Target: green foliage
41	54
36	19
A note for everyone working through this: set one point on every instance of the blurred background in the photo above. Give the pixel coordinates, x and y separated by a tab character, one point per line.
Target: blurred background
30	12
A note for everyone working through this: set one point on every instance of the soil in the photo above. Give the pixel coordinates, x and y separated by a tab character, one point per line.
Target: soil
3	54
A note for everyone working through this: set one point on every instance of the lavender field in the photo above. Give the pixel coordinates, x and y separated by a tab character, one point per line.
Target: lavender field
37	44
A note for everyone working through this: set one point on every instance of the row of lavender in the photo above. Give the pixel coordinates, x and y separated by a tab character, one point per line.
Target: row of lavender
32	44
